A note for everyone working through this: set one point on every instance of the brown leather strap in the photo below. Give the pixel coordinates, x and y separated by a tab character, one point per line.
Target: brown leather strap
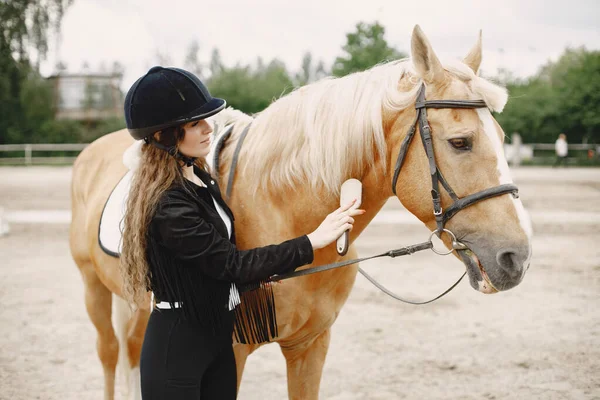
218	147
403	251
234	161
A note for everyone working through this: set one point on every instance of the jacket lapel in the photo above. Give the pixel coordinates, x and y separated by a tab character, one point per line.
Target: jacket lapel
215	191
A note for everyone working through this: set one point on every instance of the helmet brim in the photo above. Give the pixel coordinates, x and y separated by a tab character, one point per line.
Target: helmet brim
209	109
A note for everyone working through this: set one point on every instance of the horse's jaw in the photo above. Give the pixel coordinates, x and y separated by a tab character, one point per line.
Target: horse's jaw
478	278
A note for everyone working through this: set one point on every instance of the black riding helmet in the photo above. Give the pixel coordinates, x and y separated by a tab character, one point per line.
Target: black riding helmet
167	97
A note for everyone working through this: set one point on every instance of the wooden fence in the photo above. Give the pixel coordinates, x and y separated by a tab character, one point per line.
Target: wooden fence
28	157
536	152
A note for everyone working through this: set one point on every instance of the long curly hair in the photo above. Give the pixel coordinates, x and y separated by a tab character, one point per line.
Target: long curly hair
156	173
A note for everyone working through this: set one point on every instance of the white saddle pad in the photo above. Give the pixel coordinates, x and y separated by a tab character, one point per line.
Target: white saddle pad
111	221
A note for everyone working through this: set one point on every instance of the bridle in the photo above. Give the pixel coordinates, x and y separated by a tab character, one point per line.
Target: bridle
441	217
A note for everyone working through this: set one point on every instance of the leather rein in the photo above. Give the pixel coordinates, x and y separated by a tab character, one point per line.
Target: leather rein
437	178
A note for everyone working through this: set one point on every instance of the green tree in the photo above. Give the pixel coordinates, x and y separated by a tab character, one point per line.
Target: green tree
272	83
364	48
26	24
320	71
305	75
216	64
192	63
564	96
308	72
38	97
251	89
24	30
11	110
233	84
531	111
577	88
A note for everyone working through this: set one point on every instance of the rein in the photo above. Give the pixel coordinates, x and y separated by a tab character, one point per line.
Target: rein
403	251
441	217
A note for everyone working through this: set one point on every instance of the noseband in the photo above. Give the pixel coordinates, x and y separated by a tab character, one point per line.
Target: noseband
441	217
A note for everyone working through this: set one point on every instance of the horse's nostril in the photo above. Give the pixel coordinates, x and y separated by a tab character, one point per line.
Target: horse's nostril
510	262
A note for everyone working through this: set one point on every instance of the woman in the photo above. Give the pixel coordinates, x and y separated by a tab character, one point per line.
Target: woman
179	243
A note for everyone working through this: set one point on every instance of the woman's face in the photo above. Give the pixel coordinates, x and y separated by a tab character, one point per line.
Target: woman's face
196	140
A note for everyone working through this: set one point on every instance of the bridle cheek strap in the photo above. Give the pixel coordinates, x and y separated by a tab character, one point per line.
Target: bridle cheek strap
458	204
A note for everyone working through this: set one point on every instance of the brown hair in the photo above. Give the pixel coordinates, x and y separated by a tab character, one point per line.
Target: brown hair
156	173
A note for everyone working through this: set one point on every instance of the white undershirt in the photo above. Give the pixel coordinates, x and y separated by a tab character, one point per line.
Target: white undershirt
234	295
223	215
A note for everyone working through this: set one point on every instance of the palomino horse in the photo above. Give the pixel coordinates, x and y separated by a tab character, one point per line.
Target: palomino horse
297	153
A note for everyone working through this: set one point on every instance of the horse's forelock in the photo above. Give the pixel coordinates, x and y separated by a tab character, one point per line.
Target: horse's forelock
494	96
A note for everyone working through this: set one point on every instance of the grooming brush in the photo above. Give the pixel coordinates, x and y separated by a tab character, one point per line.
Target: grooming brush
351	189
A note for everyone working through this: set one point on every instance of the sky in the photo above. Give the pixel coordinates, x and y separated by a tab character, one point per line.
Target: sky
518	35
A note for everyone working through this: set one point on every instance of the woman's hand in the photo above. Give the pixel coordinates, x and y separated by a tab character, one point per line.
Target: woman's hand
334	225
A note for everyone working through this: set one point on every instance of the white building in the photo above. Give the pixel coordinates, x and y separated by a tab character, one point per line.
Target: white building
88	97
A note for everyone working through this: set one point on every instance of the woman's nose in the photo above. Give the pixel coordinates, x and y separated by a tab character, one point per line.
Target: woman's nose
207	130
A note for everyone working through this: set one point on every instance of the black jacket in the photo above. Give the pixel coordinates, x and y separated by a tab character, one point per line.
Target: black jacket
192	259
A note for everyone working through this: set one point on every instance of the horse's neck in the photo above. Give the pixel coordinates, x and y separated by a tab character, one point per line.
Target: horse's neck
376	191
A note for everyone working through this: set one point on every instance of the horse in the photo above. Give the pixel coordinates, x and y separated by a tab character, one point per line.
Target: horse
289	170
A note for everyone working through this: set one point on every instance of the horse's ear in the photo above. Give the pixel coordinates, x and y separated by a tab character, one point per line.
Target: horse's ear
427	64
473	59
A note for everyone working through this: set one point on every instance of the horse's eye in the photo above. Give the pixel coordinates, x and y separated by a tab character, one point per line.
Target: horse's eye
460	143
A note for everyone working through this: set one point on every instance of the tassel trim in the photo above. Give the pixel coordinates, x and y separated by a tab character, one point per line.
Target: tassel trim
255	318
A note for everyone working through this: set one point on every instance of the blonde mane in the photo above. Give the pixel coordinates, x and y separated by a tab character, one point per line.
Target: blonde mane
329	131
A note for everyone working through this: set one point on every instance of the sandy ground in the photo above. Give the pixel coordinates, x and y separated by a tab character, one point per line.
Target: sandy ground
540	340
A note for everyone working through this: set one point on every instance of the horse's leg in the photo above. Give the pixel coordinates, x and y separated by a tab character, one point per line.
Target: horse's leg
305	365
98	303
135	337
241	352
130	330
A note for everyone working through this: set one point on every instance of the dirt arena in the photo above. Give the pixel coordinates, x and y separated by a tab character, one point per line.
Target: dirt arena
540	340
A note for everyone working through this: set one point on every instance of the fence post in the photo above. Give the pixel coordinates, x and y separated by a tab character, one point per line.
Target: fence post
516	145
27	154
4	228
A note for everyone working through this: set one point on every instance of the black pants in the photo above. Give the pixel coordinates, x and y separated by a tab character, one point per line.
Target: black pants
181	361
560	160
